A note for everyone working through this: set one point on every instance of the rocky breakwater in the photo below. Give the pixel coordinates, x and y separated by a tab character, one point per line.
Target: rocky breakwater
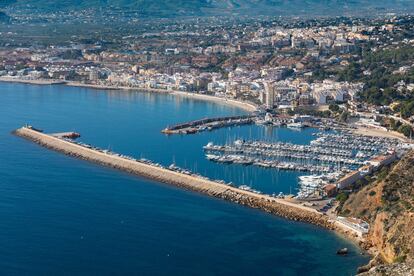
278	207
266	203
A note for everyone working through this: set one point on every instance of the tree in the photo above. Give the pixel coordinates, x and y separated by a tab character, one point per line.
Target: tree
407	109
344	117
351	73
393	124
334	107
406	130
342	197
326	114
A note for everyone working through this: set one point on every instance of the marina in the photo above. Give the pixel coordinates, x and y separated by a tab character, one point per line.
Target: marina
243	160
334	159
178	177
53	187
352	142
287	151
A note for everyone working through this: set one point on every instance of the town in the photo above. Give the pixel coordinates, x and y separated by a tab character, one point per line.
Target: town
315	67
306	117
291	72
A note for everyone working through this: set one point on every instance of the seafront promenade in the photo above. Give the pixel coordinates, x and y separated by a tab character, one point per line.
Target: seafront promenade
280	207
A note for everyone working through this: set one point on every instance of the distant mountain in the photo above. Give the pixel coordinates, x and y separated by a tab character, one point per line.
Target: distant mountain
4	18
4	3
220	7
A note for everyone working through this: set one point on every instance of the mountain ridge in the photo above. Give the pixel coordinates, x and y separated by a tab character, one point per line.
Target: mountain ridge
216	7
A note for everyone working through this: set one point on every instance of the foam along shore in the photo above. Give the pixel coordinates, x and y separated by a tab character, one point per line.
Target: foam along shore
266	203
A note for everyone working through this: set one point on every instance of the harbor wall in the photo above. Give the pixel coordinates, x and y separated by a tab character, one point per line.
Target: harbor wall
208	120
266	203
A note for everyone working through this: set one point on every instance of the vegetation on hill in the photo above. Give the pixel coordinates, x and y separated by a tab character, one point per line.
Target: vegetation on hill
386	74
387	203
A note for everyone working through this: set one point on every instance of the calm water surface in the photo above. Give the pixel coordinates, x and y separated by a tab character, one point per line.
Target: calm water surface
65	216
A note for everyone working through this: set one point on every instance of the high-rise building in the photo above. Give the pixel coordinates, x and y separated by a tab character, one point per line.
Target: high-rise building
270	95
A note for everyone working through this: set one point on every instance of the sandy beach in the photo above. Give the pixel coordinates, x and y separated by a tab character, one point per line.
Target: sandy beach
249	107
380	133
243	105
35	82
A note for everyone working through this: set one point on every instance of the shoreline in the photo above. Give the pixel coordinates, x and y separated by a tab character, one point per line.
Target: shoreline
283	208
248	107
373	132
278	211
276	206
34	82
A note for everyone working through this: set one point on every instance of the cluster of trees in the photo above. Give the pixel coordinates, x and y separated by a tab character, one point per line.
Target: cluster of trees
334	107
377	72
398	126
353	72
311	112
341	114
407	108
406	130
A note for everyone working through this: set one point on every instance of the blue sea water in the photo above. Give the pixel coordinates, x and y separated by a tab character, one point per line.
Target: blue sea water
65	216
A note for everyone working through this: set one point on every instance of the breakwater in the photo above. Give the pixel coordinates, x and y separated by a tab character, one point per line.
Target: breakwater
266	203
208	124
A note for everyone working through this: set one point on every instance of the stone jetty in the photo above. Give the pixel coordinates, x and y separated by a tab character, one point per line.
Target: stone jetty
208	124
266	203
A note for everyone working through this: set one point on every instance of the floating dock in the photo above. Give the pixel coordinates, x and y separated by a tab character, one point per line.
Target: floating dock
280	207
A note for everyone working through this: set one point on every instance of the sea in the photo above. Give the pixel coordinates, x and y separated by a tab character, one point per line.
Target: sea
64	216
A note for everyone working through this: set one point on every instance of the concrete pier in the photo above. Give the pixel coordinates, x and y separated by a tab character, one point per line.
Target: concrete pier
266	203
208	123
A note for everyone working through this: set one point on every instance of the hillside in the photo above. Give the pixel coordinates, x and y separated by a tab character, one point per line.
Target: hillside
217	7
388	205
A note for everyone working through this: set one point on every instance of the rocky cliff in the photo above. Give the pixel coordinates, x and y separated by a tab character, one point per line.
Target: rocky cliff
388	205
400	269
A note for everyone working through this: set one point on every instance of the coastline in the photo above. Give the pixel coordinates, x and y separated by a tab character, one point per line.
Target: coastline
284	208
34	82
276	206
248	107
280	204
380	133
